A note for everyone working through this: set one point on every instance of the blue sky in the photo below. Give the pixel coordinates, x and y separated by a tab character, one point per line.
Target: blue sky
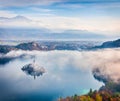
92	15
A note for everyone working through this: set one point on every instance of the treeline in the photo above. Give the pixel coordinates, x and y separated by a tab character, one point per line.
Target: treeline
94	96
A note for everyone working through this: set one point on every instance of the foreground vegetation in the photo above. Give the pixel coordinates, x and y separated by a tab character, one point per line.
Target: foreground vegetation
94	96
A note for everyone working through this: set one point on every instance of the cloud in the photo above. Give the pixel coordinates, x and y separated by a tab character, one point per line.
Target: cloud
37	9
6	13
94	15
62	68
107	71
104	63
92	1
14	3
102	26
78	4
106	58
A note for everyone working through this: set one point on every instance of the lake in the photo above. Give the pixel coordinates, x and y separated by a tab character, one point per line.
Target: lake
67	73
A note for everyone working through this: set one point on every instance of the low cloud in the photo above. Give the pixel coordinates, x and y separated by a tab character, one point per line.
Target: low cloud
9	3
14	3
107	60
62	68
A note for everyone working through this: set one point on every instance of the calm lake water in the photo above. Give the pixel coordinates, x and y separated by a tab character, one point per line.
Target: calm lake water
67	73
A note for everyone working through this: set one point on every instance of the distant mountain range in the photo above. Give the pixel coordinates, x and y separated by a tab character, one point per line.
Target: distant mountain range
43	33
16	18
36	29
20	27
46	46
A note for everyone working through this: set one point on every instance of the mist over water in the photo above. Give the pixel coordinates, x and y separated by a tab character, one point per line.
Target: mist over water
67	73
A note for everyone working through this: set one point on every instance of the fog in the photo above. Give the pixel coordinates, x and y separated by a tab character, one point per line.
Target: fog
107	60
67	72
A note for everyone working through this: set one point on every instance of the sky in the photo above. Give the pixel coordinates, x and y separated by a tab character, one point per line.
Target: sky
99	16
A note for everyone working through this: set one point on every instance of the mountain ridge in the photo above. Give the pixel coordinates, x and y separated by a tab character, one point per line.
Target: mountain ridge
18	17
109	44
58	46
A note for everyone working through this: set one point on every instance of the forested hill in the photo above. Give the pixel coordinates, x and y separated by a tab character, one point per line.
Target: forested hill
104	95
110	44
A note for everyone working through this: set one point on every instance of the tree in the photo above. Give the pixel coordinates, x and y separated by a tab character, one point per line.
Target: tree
90	93
98	97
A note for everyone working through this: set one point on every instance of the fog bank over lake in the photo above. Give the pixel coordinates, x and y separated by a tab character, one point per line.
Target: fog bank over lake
67	73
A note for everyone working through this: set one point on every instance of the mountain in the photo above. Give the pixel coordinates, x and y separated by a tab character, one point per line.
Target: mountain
27	46
110	84
23	33
109	44
3	18
19	17
49	45
16	18
20	27
82	34
15	22
5	48
44	33
31	46
63	45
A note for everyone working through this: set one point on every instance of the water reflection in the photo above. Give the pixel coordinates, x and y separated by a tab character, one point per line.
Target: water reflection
62	77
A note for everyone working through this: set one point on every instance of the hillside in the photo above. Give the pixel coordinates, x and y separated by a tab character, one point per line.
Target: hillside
49	45
94	96
110	44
